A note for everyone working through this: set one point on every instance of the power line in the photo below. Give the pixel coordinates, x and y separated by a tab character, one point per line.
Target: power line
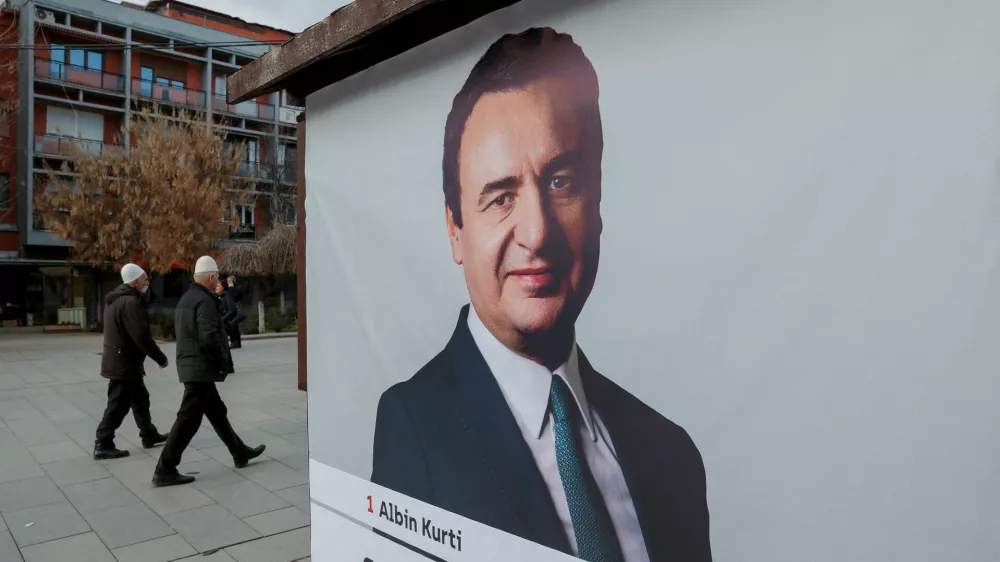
136	46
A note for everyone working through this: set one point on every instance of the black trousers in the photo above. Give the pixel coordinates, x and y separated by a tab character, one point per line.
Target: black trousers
122	396
201	399
234	334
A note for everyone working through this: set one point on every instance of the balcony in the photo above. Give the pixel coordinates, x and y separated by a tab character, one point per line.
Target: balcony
168	94
247	109
80	76
256	170
243	232
67	147
289	172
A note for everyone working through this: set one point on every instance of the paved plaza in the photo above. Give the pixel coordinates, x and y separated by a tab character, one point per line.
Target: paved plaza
57	504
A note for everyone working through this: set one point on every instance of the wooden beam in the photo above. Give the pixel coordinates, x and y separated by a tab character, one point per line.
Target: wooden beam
355	37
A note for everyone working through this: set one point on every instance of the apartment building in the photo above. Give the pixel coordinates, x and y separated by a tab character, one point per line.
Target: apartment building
76	90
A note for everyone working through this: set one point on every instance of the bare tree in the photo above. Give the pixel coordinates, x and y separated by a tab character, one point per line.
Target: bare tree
8	104
168	197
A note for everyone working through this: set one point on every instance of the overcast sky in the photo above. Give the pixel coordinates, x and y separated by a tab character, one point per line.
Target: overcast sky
293	15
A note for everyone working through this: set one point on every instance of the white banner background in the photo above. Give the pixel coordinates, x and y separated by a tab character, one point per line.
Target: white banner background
800	262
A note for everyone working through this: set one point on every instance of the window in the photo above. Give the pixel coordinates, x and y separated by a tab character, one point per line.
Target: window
168	82
246	215
95	61
146	81
86	59
5	195
79	58
220	84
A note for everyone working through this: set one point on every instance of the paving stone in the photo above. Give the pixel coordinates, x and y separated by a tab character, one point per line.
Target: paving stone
3	524
297	438
13	467
284	547
8	548
64	450
210	473
80	548
210	527
47	523
278	521
157	550
257	437
99	494
298	496
74	471
244	499
281	427
134	472
219	556
31	492
170	499
273	475
125	525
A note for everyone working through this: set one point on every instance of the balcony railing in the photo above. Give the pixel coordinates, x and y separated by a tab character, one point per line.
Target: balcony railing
252	169
169	94
251	109
243	232
289	172
58	145
62	72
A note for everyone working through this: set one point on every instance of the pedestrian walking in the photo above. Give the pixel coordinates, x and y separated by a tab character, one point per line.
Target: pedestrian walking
235	294
127	343
203	359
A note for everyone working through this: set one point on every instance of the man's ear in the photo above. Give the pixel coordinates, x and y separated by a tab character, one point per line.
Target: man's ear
454	235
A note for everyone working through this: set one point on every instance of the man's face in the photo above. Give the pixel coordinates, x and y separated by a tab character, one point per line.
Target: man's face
142	282
530	205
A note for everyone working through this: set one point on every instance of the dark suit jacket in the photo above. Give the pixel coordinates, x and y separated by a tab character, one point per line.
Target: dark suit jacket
448	438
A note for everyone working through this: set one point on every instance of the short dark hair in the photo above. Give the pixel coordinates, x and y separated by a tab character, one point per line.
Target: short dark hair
512	63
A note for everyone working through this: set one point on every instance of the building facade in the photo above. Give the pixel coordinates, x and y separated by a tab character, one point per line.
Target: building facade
82	69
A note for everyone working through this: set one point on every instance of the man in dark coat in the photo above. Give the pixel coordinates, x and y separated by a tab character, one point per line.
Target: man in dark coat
234	299
203	359
127	343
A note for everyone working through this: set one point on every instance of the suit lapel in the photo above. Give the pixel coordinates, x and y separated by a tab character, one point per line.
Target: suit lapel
487	420
632	459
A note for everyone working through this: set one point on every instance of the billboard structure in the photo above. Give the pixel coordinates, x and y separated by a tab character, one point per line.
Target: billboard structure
622	280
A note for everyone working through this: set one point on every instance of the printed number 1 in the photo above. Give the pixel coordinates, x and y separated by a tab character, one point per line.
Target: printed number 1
370	510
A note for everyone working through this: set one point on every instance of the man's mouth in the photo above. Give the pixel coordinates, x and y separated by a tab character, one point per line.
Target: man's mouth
533	278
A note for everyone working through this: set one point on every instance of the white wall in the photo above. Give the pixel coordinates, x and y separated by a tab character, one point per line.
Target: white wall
800	259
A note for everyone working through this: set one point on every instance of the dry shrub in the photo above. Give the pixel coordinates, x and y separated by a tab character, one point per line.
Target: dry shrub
168	198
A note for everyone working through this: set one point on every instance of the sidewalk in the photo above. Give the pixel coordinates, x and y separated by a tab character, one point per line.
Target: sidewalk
57	504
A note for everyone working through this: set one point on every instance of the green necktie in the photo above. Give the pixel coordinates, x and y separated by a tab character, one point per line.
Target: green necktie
596	540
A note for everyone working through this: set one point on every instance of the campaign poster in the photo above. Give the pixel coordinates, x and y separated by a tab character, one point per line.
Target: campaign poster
662	281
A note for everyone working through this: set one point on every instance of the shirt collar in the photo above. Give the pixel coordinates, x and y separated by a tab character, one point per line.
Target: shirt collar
526	384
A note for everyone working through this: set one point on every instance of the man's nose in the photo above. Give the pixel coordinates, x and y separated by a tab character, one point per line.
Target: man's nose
533	220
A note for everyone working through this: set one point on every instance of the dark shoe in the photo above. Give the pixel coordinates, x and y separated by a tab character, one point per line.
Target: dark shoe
102	454
175	479
248	455
159	439
235	346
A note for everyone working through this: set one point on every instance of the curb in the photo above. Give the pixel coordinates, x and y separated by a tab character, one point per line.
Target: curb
270	336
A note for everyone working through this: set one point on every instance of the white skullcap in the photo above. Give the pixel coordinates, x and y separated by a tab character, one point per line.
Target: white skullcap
205	264
131	272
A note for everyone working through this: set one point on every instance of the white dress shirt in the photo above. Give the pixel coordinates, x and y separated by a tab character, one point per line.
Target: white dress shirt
525	385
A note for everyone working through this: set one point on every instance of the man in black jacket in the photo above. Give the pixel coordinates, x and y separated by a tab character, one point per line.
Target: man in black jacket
203	359
234	299
127	343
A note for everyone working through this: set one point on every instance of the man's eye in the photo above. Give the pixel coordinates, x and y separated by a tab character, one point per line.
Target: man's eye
502	201
559	182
